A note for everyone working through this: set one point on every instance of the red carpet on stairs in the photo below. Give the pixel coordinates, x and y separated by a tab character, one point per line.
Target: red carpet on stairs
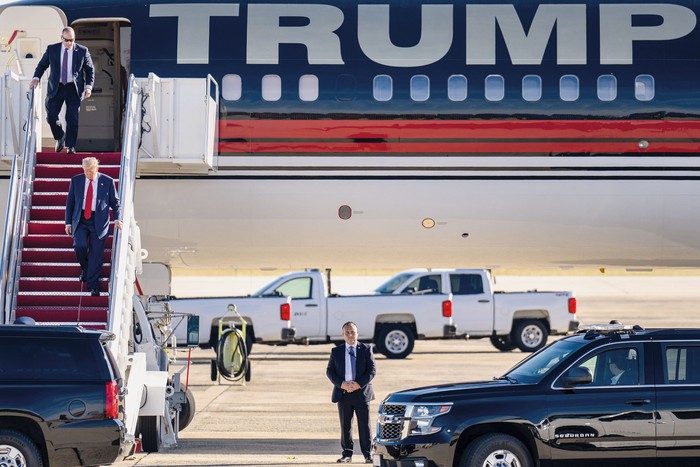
49	287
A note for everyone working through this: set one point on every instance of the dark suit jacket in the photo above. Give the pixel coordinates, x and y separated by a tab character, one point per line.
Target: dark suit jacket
627	378
83	70
364	370
107	197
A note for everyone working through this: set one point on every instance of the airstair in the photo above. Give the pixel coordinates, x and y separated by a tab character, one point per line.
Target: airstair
40	274
49	290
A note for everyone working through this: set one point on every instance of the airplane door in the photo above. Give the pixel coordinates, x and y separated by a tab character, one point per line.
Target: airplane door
25	32
101	114
472	309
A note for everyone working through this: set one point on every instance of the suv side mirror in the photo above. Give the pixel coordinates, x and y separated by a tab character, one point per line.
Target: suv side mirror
192	330
576	376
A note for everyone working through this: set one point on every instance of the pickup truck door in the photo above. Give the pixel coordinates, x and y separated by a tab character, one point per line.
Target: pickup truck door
678	405
472	306
607	422
306	310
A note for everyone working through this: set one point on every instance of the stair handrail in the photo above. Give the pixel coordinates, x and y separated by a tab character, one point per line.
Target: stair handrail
125	261
211	129
17	215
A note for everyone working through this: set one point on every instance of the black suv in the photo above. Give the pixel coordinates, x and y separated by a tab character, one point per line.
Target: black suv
611	395
61	402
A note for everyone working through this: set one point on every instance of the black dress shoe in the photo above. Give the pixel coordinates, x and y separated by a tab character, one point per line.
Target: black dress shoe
368	460
344	460
71	150
94	293
60	144
83	276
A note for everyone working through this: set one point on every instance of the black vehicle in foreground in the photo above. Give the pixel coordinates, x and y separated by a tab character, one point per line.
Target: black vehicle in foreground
611	395
61	401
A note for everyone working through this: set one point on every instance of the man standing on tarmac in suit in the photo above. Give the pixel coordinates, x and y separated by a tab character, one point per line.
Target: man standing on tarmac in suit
351	369
70	80
90	196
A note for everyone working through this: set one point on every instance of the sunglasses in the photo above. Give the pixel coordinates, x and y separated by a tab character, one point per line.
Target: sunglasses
67	40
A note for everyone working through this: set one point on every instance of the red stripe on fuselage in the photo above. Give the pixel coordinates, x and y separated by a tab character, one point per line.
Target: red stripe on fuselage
459	136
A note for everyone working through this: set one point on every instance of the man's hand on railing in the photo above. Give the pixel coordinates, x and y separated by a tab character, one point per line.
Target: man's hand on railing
118	224
33	83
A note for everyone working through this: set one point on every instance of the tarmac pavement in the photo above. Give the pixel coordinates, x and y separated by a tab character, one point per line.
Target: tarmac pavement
284	415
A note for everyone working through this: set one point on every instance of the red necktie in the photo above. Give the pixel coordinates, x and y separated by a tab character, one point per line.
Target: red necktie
87	213
64	68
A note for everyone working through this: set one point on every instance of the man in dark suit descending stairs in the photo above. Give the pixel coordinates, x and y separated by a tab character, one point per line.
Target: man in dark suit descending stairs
87	219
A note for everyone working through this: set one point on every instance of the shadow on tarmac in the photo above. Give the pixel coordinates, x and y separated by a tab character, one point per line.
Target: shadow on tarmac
241	447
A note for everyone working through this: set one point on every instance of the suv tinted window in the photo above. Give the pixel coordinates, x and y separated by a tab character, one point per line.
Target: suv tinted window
682	364
538	365
618	366
52	359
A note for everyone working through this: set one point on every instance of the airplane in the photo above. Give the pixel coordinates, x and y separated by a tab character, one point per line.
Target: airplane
405	133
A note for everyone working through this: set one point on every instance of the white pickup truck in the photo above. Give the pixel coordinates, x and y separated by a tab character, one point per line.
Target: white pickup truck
427	304
414	304
268	318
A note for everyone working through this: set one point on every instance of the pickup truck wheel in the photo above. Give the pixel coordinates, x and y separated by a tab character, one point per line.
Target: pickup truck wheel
213	370
149	429
530	335
503	343
248	371
18	450
395	341
496	450
248	341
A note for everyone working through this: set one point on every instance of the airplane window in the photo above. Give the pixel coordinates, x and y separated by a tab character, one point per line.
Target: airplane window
308	88
271	87
420	88
345	87
231	87
383	88
644	87
457	88
495	87
568	88
607	88
532	88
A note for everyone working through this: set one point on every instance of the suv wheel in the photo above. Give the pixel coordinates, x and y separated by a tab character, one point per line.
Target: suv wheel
530	335
17	450
395	341
496	450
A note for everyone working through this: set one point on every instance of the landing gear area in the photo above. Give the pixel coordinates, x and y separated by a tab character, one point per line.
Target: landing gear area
158	427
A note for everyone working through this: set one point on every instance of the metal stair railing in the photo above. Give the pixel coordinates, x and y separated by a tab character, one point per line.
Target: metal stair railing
126	252
17	216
